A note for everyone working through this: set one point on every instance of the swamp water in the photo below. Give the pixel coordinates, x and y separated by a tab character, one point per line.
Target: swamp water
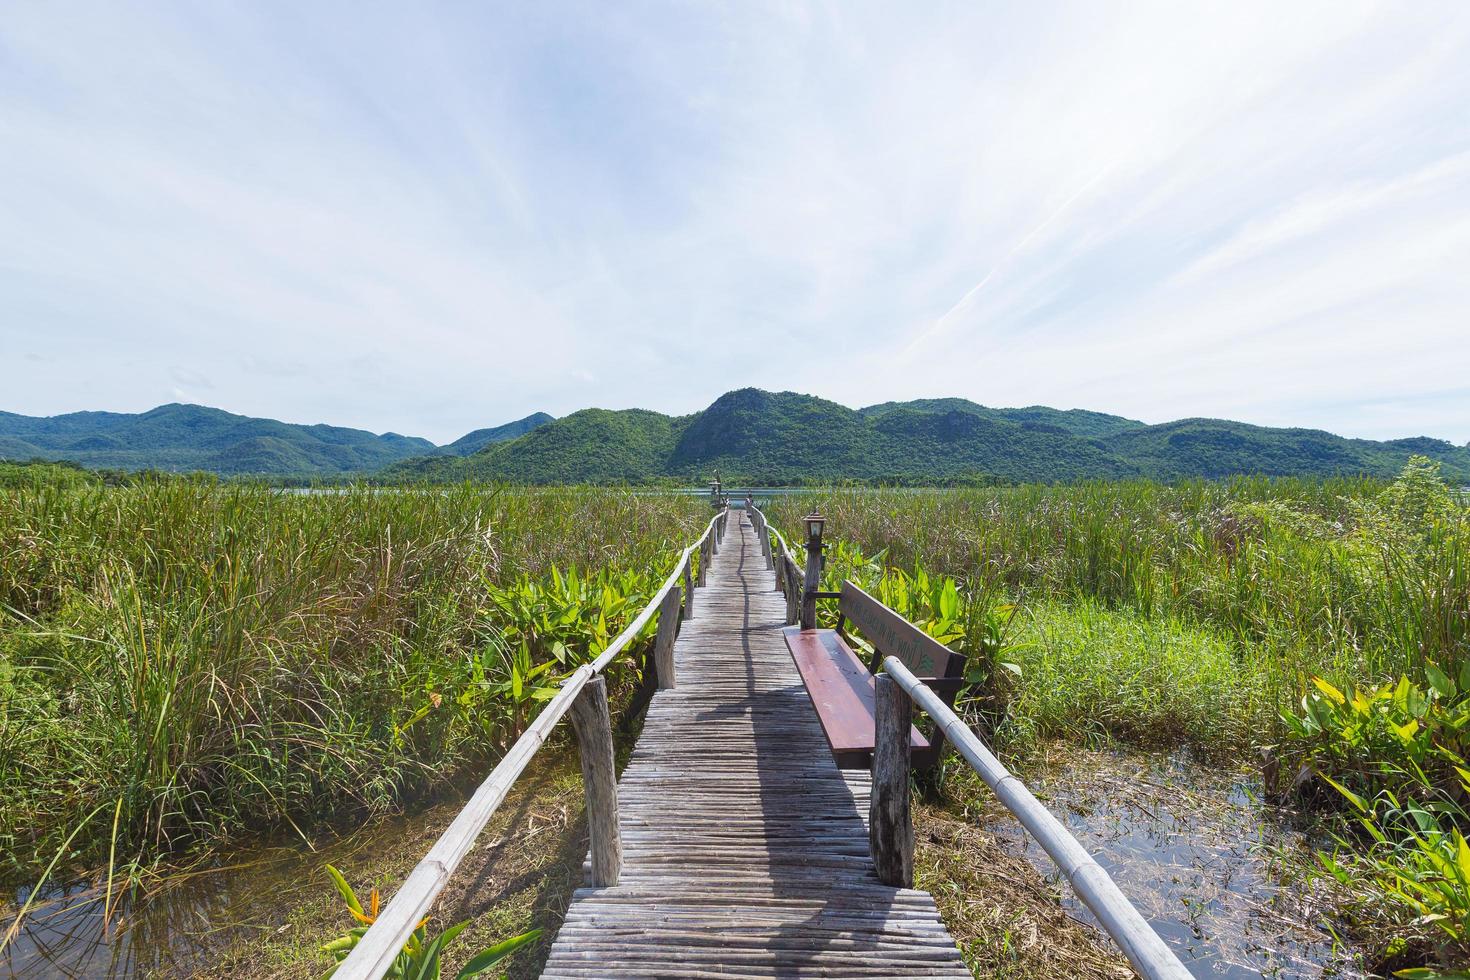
1189	844
1212	869
175	926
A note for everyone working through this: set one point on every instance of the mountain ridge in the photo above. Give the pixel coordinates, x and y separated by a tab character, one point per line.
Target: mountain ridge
747	435
178	437
750	435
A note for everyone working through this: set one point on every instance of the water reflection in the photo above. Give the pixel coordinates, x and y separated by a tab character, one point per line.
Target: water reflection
177	924
1213	870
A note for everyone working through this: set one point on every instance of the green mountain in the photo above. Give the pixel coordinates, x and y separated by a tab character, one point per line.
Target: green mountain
780	438
474	441
1075	421
748	436
192	437
591	446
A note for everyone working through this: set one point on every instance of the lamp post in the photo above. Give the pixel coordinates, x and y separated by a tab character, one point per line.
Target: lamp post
714	493
814	524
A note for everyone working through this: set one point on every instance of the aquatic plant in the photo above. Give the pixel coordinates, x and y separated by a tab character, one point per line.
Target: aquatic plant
422	956
1363	740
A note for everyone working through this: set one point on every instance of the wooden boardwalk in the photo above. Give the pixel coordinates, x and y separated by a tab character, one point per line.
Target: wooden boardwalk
745	849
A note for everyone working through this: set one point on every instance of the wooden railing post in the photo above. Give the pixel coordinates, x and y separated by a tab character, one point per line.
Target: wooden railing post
593	724
793	593
688	590
663	641
706	553
890	825
811	583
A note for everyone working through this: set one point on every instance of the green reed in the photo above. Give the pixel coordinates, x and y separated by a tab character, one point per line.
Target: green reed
204	661
1348	578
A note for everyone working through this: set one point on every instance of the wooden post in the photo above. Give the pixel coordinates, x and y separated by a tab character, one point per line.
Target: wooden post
663	641
599	778
688	589
706	552
812	583
793	593
890	827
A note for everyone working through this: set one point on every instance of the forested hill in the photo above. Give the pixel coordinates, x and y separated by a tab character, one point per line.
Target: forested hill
782	438
747	436
192	437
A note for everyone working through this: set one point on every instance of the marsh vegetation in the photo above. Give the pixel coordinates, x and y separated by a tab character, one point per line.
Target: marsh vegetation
188	667
1317	631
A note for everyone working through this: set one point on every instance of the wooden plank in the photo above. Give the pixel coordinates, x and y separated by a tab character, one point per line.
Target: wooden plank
841	691
745	849
895	636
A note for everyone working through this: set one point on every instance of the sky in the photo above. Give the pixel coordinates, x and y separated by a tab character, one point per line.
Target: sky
428	218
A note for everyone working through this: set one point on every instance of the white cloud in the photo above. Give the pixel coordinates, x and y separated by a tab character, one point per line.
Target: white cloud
433	219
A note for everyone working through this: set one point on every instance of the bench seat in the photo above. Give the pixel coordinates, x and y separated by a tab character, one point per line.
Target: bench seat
841	690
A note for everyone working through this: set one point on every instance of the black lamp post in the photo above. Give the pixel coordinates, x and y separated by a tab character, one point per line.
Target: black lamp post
815	522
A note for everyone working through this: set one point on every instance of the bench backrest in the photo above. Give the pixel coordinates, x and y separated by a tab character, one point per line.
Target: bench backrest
894	636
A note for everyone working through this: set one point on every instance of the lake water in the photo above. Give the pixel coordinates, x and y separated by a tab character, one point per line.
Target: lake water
1215	872
1218	874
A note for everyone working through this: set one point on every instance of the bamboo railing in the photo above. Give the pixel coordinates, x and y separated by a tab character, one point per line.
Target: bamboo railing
890	827
1150	956
583	694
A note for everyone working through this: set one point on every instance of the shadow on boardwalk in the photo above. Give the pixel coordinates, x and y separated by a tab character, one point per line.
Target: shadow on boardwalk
745	851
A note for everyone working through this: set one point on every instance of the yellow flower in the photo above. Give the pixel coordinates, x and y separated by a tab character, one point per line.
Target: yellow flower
372	912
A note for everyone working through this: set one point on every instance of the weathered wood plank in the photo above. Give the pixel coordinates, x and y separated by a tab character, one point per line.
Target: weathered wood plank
745	850
841	691
893	635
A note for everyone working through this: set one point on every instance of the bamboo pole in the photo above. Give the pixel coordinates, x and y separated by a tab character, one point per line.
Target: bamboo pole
382	943
1150	956
385	939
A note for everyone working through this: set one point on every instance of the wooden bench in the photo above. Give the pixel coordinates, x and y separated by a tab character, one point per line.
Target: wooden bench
841	685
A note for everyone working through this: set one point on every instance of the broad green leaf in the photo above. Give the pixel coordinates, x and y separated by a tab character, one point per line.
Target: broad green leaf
345	890
489	957
1438	680
1351	797
1327	689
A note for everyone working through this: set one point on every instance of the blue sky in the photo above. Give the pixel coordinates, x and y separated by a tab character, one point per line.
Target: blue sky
429	218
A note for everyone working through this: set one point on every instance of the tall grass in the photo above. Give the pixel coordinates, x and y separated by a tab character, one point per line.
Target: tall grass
1319	574
1218	615
208	660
